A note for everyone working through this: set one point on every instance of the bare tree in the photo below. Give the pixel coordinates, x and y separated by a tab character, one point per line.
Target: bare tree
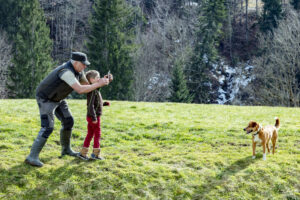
256	8
229	16
5	57
68	21
246	24
242	12
165	39
277	72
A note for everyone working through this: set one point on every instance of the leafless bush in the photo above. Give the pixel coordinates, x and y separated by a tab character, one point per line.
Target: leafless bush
277	71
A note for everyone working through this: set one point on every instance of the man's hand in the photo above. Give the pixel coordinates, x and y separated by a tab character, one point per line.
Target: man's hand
103	81
109	77
94	122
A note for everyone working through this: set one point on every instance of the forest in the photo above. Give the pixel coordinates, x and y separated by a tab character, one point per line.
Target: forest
240	52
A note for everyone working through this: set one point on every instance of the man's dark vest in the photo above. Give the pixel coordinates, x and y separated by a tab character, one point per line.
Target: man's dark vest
52	87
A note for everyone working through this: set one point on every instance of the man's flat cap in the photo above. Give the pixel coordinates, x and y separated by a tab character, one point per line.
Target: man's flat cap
79	56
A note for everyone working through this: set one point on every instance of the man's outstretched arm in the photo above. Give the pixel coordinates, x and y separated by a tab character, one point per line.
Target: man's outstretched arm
82	89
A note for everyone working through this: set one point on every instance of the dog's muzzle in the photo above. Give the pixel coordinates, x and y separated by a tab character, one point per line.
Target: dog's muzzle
247	132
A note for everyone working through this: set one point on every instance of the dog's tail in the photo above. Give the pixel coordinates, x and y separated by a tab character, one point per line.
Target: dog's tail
277	123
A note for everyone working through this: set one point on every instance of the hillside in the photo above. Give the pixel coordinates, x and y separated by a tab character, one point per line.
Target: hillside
153	151
164	32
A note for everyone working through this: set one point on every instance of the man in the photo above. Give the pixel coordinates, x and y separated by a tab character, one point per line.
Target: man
50	96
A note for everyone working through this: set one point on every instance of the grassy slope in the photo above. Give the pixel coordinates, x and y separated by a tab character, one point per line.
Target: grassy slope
152	151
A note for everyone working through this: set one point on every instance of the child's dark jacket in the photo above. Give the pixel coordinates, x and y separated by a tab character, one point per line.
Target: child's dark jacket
94	104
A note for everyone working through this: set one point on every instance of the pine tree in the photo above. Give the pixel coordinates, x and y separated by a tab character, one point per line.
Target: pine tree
109	47
9	14
148	6
213	14
31	60
296	4
272	12
179	90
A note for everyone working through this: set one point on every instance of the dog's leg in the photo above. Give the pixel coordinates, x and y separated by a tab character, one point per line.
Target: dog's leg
274	144
264	151
253	149
274	140
268	147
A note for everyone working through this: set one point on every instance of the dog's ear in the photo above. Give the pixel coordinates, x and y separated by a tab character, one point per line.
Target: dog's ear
254	124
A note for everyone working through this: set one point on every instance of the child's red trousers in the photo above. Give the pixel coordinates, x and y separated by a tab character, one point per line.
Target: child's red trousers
93	131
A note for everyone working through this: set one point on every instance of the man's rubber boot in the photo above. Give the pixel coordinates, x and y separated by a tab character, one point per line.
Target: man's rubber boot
65	138
37	146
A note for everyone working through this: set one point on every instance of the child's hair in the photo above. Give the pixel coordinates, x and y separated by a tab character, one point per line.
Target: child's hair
91	74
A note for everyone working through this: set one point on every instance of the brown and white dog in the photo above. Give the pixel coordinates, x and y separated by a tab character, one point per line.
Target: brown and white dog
263	135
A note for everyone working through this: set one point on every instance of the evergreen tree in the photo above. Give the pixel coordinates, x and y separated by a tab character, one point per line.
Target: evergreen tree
177	6
109	46
296	4
179	90
213	14
31	60
148	6
272	12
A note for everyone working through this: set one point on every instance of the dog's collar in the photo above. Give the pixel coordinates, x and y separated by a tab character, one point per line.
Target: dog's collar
256	133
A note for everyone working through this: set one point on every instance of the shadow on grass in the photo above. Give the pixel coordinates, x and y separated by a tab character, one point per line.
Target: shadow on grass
221	178
14	176
34	181
62	180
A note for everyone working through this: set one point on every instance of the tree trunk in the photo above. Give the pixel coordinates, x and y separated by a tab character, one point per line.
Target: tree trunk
241	12
229	28
256	8
247	21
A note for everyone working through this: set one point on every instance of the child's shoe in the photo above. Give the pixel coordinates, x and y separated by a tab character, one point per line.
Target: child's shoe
96	154
83	153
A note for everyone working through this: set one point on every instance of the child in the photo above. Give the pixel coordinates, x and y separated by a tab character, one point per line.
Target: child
94	111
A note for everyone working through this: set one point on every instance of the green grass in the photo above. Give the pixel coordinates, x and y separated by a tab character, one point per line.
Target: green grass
152	151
